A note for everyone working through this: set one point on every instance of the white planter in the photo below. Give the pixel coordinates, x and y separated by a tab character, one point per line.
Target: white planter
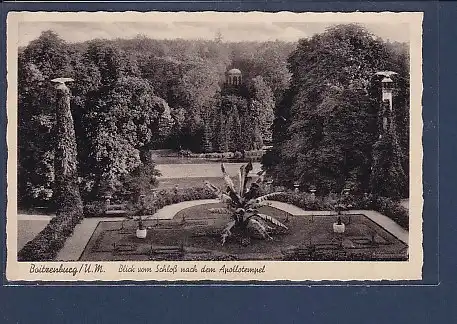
141	233
338	228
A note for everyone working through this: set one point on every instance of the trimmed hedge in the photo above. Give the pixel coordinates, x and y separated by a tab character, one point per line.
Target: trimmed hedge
248	155
306	201
46	245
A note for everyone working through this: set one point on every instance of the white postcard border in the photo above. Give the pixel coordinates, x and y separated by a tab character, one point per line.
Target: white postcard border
272	270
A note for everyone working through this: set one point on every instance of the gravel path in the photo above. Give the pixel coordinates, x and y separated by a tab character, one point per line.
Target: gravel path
75	244
168	212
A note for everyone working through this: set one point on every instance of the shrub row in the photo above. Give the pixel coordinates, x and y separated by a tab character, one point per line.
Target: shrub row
253	154
95	209
385	206
166	197
46	245
306	200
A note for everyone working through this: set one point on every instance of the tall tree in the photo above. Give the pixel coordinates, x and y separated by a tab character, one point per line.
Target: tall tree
262	106
122	125
43	59
67	195
326	130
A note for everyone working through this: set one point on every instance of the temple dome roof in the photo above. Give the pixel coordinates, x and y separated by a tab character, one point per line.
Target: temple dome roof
234	71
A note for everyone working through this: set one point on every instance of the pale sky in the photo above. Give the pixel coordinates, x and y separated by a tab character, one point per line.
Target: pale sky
77	31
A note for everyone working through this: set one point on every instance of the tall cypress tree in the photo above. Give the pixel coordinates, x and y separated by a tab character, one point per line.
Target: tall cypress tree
67	196
388	178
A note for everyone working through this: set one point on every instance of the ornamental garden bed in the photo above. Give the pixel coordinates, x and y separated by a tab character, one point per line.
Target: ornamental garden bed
194	234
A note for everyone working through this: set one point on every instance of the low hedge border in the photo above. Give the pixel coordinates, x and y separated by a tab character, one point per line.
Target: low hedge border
46	245
252	154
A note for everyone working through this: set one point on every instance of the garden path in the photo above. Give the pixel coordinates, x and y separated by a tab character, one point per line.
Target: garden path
168	212
75	244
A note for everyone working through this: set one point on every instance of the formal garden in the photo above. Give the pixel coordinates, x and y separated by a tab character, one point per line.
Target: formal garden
305	165
208	231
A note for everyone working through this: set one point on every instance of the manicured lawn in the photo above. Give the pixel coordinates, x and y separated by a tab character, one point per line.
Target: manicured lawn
201	170
194	234
188	182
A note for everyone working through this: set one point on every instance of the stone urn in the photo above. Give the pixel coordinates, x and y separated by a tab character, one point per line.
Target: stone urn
141	233
339	226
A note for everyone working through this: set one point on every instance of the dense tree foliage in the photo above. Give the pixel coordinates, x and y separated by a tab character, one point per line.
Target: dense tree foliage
326	125
131	96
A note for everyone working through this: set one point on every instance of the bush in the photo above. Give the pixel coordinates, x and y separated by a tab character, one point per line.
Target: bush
185	153
141	180
391	209
167	197
95	209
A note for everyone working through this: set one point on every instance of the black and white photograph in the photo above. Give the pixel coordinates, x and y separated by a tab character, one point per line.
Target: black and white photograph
214	146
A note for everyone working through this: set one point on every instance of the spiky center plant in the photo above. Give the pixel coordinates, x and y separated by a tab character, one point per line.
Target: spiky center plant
243	204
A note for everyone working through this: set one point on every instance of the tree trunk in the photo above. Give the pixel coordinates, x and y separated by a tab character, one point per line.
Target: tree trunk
66	193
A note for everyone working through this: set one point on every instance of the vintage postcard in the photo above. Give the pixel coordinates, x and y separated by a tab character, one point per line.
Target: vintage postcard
220	146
